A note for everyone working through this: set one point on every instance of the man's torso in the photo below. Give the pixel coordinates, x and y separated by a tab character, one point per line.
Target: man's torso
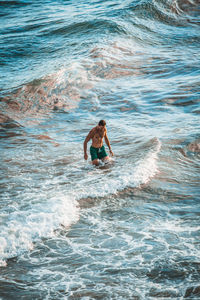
98	135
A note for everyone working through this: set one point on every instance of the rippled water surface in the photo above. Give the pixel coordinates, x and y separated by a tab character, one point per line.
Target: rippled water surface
126	230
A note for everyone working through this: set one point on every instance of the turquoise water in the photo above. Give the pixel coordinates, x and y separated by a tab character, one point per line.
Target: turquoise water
127	230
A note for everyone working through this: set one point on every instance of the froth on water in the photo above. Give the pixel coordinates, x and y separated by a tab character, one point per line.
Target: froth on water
128	230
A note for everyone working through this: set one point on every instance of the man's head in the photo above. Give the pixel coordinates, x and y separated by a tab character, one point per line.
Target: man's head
102	123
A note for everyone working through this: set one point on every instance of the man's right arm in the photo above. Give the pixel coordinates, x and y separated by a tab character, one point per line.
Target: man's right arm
88	137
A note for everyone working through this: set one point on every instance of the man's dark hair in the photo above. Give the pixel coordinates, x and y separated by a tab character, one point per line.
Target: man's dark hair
102	123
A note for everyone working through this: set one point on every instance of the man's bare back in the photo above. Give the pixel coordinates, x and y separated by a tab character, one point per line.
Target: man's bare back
97	134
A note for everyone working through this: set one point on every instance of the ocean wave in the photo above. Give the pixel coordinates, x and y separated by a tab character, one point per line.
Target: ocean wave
66	88
23	226
40	215
37	43
61	90
122	176
189	7
14	3
175	12
86	28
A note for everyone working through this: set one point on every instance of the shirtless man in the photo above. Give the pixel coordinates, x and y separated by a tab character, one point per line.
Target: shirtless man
97	150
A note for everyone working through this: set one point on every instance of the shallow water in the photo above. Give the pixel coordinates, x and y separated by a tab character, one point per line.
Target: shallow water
126	230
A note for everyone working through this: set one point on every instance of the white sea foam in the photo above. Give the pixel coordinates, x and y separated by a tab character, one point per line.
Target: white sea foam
25	225
95	184
22	227
147	168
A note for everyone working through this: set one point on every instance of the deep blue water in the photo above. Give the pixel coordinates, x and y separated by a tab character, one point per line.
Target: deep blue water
127	230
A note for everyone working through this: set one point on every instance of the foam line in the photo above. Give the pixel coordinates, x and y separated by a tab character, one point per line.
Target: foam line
121	176
24	227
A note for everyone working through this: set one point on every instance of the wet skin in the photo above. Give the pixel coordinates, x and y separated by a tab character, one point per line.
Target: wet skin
97	134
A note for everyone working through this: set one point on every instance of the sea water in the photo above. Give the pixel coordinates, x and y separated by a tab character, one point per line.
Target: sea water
126	230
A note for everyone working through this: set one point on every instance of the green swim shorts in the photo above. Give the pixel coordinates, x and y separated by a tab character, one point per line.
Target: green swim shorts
97	152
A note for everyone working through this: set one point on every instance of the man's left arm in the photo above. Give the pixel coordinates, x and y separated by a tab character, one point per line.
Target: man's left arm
108	143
